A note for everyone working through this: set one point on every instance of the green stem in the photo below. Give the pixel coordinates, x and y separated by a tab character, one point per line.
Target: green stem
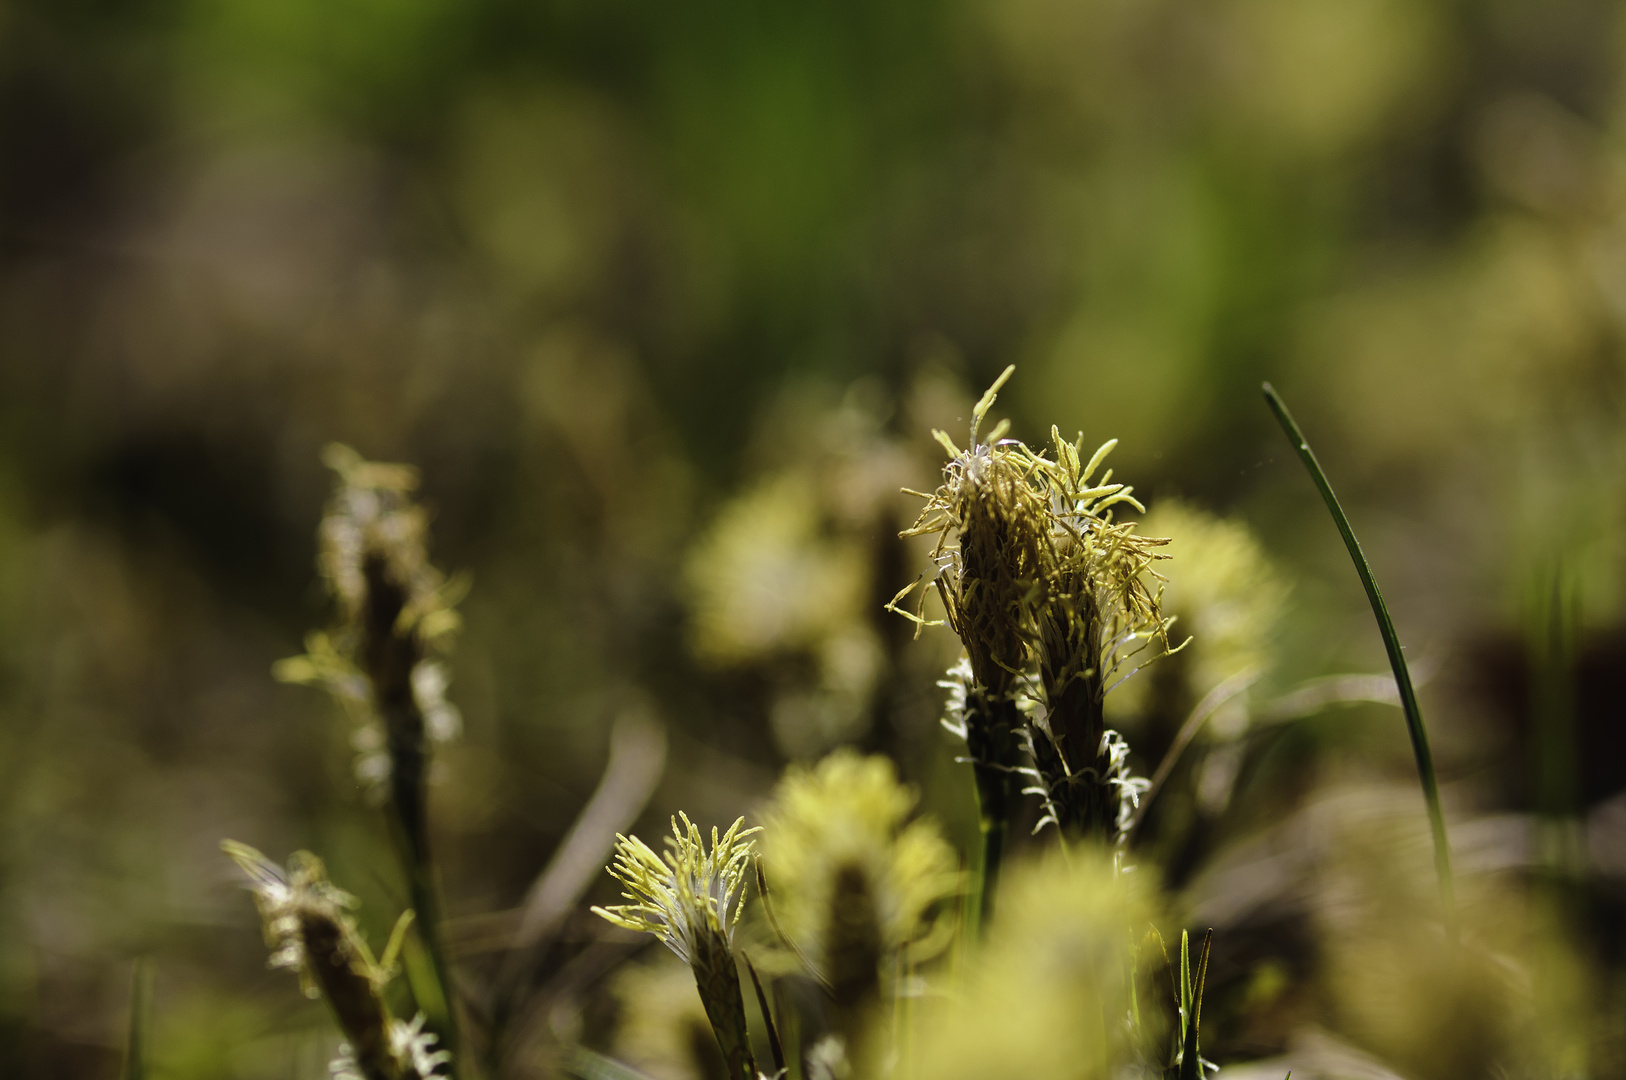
1391	642
437	1000
993	854
138	1048
991	722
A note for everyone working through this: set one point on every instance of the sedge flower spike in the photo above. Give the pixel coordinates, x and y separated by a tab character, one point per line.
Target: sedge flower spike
397	615
1055	603
849	816
990	520
1097	619
686	893
691	899
310	932
995	515
397	611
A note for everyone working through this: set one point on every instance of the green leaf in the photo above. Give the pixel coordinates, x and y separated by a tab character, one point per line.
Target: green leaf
1391	642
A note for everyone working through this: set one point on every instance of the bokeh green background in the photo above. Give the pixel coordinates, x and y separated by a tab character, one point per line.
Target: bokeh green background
608	271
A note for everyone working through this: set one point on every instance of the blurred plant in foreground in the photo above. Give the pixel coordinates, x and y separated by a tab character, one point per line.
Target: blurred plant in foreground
395	610
1050	992
859	891
310	934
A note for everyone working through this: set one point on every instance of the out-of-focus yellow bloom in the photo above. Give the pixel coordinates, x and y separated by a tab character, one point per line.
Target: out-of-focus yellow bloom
840	829
663	1031
1047	995
765	580
1228	597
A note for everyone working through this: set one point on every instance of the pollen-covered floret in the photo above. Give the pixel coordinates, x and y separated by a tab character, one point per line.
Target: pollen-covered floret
990	519
686	891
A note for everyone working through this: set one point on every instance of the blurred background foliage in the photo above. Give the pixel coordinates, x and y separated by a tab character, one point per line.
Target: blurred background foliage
665	300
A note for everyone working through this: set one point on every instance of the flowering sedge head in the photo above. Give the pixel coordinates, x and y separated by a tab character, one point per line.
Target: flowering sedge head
310	932
1096	620
394	607
989	518
841	830
1098	617
687	892
292	899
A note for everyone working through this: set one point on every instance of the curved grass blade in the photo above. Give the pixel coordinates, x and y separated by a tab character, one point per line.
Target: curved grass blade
585	1064
139	1047
1391	642
774	1044
1191	1005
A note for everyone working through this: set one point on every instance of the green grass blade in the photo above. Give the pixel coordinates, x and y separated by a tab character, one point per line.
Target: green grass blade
138	1049
1391	642
1191	1004
584	1064
774	1044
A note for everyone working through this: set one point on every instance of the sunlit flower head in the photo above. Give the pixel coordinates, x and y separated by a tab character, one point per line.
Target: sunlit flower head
687	891
990	520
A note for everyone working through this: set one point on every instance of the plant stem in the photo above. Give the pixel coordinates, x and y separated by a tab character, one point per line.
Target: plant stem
993	853
139	1046
991	723
419	870
1391	642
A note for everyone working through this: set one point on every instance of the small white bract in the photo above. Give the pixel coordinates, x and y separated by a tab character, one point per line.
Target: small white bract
410	1044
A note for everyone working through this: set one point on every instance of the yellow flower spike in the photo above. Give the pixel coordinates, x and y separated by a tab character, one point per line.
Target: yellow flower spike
1047	995
687	891
847	814
859	889
691	899
1035	573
